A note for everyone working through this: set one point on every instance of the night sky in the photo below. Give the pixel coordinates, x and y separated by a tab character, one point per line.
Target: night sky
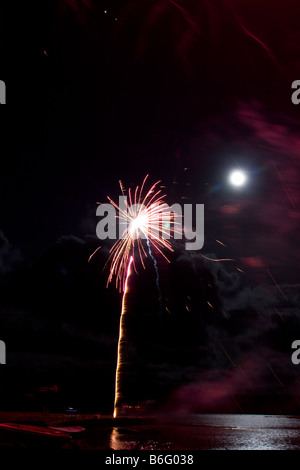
185	91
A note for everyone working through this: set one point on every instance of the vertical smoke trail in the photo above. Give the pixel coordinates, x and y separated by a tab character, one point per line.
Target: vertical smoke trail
157	276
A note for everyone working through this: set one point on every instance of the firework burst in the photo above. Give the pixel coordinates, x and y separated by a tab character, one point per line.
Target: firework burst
146	216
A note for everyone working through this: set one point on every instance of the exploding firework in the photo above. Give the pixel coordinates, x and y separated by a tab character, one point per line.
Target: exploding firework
145	216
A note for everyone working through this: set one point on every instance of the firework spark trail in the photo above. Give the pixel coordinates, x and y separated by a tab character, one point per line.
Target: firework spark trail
276	376
251	35
237	404
276	310
159	10
234	364
278	287
121	344
279	381
157	276
186	15
221	243
266	48
217	260
151	217
285	185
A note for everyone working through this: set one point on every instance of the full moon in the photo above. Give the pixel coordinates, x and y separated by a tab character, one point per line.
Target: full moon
237	178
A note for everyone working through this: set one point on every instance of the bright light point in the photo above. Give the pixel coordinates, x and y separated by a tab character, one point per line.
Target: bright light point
237	178
138	223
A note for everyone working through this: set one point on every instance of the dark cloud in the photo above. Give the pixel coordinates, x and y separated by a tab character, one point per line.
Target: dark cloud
9	256
250	322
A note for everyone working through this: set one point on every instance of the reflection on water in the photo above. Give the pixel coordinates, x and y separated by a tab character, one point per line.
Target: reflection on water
121	442
215	432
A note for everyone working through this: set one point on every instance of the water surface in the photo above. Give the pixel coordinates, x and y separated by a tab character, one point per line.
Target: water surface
211	432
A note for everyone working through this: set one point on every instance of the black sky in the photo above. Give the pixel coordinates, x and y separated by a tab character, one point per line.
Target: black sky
184	91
